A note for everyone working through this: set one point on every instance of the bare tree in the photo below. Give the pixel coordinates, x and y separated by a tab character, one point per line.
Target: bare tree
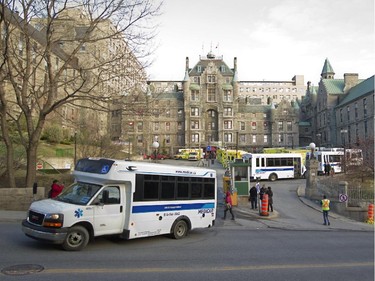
68	54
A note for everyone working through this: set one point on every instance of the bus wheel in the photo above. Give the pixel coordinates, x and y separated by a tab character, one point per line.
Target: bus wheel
180	229
272	177
76	239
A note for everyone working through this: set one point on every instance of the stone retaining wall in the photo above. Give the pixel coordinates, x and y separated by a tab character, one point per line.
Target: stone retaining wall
19	199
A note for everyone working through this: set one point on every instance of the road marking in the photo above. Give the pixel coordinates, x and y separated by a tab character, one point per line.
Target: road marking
204	269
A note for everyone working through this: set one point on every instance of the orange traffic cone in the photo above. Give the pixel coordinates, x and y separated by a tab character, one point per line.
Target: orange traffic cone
264	211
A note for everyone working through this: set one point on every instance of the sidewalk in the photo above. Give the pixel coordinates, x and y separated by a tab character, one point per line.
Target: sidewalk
12	216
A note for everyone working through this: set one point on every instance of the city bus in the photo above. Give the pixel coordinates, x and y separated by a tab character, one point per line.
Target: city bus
125	198
335	157
273	166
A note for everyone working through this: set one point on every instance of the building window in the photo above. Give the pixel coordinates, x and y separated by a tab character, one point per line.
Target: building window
254	125
199	68
180	113
131	126
242	126
156	126
356	110
280	138
194	111
227	111
228	95
167	139
280	125
254	138
265	125
265	138
242	138
211	79
140	139
195	124
195	138
83	47
168	113
167	126
195	95
227	124
179	125
140	126
211	113
197	80
211	126
364	107
348	113
289	126
227	137
222	68
211	92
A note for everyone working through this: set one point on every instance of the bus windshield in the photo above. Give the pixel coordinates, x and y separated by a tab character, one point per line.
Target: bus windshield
78	193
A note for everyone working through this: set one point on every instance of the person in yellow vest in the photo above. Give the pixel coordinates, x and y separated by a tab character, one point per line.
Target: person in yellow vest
325	208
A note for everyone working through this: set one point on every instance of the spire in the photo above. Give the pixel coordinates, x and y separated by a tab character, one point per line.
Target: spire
327	71
186	78
235	77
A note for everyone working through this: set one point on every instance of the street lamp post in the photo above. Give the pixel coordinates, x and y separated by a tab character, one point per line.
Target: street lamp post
312	147
155	145
75	148
319	136
343	132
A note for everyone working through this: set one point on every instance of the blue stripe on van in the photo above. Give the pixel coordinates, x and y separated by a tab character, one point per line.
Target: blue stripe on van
262	170
171	207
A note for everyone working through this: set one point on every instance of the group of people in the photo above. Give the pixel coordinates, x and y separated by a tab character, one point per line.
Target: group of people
328	170
256	191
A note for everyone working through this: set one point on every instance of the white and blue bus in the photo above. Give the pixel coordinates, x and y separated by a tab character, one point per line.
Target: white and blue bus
273	166
129	199
335	158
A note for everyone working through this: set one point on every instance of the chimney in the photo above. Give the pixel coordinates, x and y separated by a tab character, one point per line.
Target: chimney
235	64
187	64
350	80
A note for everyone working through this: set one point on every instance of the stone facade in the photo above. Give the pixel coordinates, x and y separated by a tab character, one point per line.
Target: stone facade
207	108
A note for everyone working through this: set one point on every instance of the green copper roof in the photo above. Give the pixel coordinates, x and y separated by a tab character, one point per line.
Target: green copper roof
361	89
334	86
227	87
327	68
194	87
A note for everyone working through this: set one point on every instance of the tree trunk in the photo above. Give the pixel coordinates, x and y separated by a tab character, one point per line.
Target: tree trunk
9	154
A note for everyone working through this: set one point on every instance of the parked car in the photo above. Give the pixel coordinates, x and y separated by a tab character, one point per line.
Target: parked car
158	156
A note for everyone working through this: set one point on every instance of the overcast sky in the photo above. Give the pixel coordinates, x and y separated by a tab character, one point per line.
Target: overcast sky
272	39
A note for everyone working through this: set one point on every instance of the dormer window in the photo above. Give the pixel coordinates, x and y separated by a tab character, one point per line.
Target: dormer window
222	68
199	68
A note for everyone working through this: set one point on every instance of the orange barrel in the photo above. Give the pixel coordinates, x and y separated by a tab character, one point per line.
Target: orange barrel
264	211
370	213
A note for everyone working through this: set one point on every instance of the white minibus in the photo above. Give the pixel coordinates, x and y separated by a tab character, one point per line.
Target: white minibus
273	166
125	198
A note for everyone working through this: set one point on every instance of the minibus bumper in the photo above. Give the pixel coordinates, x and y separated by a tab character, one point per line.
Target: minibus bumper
51	235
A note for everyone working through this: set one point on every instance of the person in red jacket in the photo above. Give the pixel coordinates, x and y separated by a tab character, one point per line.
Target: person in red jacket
56	188
228	205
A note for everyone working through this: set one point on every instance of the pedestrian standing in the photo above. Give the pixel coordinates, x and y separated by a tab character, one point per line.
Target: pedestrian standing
257	186
269	192
325	208
228	205
56	189
253	197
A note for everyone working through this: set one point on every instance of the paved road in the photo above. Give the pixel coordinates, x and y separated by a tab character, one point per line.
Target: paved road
291	244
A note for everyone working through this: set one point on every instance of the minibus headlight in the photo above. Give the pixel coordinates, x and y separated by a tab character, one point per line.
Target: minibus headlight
53	220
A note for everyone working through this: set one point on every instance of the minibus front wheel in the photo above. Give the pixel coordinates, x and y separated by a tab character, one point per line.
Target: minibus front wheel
76	239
